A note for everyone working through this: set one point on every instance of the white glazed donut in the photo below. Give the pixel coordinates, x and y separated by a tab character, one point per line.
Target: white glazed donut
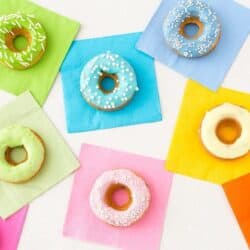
209	136
139	197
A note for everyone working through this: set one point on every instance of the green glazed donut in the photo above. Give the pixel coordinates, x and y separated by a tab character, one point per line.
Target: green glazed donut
16	136
13	26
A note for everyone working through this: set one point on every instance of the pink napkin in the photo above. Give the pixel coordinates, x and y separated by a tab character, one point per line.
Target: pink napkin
82	224
11	229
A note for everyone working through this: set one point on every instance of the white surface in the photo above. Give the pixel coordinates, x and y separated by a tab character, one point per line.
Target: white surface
199	217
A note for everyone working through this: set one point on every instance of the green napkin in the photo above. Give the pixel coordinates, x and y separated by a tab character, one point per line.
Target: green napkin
59	161
60	33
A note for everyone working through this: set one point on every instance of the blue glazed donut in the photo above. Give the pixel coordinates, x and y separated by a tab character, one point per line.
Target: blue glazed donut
192	12
108	65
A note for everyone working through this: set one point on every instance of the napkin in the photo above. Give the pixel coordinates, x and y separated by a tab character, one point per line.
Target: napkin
11	229
145	105
238	193
209	70
82	224
187	155
39	78
59	160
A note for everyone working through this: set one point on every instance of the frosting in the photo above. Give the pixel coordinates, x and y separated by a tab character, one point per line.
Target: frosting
35	34
214	145
139	192
15	136
108	64
201	45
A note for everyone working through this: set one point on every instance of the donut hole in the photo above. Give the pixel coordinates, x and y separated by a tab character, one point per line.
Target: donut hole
108	82
118	197
20	43
228	130
18	40
191	28
16	155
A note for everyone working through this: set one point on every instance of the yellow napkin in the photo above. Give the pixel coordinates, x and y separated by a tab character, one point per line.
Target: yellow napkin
187	155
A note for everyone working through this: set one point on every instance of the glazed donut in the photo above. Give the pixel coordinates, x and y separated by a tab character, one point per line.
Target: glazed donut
13	26
112	66
13	137
192	12
235	121
101	197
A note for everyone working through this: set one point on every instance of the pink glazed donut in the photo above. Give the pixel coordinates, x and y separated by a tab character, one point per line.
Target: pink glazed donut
107	210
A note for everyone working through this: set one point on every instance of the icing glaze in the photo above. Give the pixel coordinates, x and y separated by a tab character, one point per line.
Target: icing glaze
25	24
108	64
15	136
139	192
205	42
210	140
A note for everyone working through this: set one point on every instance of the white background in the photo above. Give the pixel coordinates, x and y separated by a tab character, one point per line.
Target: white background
198	217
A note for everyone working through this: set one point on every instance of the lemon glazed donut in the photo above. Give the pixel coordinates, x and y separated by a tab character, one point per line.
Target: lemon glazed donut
106	210
21	25
19	136
225	131
108	65
192	12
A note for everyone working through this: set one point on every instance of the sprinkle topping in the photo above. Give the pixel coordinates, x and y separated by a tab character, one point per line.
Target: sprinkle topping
36	46
192	47
139	192
125	81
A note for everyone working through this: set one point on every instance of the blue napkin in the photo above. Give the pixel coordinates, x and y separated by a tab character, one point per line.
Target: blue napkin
209	70
145	105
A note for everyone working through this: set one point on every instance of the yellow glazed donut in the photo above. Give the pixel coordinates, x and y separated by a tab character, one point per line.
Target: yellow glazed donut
225	131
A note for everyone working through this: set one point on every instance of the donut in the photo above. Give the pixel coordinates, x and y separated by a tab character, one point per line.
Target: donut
192	12
18	136
21	25
101	197
108	65
234	142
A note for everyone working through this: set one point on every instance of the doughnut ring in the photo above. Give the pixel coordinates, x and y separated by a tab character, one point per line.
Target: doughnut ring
192	12
16	25
101	197
235	141
13	137
112	66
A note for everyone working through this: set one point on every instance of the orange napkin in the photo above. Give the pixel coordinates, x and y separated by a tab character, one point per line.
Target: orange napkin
238	195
